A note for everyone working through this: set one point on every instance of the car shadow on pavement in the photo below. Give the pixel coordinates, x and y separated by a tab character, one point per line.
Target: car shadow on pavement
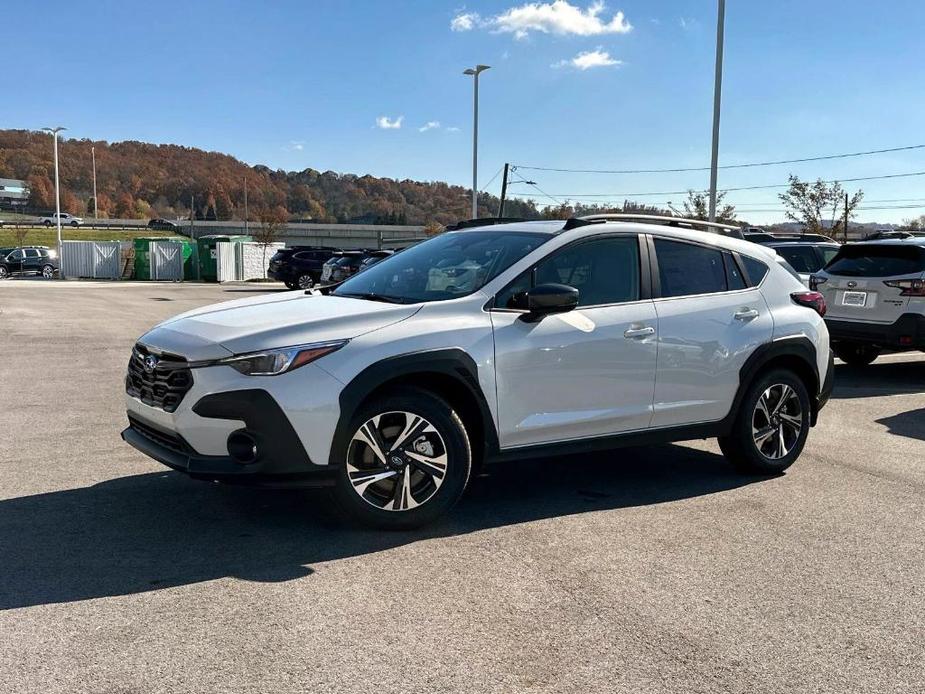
910	424
151	531
879	379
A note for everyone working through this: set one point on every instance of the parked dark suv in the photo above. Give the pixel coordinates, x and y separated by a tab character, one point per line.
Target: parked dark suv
28	260
299	266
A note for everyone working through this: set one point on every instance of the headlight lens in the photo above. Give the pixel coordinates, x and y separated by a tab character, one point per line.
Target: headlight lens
278	361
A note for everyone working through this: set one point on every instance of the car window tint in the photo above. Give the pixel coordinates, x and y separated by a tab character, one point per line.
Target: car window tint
685	269
828	252
801	258
734	279
31	253
755	269
16	255
604	271
877	260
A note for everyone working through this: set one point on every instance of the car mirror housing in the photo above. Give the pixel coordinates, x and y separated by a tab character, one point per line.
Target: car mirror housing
546	299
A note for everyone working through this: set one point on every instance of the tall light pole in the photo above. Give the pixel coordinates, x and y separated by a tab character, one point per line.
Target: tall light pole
474	72
96	207
54	133
245	204
717	92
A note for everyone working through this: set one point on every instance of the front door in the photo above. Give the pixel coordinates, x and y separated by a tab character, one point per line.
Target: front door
588	372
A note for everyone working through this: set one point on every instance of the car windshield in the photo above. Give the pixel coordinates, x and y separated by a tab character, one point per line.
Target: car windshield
445	267
877	260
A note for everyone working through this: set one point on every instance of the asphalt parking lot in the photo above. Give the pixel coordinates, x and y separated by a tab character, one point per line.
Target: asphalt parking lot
641	570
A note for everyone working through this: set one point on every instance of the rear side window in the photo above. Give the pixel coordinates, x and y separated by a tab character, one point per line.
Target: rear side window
685	269
801	258
755	269
734	279
877	260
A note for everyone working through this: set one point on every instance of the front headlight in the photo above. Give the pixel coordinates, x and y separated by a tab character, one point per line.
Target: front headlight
273	362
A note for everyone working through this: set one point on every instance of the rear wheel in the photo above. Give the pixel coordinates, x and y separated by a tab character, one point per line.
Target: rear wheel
47	223
771	426
291	284
406	463
855	353
305	282
74	224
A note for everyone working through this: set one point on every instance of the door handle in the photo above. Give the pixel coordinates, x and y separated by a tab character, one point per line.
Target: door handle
745	313
633	333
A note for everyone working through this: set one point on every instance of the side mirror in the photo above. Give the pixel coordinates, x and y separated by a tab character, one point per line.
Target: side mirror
546	299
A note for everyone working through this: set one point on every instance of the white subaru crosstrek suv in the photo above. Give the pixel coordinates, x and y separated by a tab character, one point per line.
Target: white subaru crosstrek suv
875	292
552	338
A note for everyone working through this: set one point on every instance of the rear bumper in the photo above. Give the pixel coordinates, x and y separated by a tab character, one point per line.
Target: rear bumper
908	332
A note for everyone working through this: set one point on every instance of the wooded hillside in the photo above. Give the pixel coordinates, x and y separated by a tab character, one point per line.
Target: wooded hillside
138	180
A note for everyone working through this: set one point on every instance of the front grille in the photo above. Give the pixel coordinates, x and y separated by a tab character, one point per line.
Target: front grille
171	441
160	387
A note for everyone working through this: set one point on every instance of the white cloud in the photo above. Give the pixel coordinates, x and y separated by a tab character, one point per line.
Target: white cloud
558	17
589	59
452	129
297	144
386	123
687	23
465	21
429	125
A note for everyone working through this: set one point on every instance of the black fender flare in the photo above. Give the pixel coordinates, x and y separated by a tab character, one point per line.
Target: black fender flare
452	362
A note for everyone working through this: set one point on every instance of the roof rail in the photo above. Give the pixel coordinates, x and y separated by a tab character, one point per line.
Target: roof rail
718	227
482	222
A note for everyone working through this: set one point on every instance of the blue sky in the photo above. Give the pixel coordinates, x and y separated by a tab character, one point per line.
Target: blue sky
303	84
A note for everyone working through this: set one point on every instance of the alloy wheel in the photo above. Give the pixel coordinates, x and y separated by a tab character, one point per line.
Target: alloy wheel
396	461
305	282
48	272
777	421
3	273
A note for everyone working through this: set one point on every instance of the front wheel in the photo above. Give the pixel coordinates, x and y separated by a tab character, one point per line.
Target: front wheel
305	282
47	223
855	354
771	426
406	463
4	273
48	272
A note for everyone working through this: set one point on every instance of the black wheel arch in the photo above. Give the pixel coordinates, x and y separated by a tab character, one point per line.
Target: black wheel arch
449	373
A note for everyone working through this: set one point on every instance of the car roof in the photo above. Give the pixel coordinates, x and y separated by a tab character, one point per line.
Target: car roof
800	244
910	241
555	227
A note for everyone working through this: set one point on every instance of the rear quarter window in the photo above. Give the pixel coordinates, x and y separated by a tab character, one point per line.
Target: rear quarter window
876	260
755	269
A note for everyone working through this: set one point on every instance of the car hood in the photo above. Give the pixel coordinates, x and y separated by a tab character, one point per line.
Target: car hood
266	322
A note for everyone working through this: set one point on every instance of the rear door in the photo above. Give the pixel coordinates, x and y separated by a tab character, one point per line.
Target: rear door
709	322
31	260
856	281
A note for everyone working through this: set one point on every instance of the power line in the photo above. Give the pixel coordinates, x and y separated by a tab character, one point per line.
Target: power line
482	189
542	192
730	190
726	166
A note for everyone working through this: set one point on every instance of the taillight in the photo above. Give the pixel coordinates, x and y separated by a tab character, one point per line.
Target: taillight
908	287
813	300
815	281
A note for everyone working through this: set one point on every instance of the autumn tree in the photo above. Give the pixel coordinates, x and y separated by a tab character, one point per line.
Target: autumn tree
433	228
811	204
272	223
697	206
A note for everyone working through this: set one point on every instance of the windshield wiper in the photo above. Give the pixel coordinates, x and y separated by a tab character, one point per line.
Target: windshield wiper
373	296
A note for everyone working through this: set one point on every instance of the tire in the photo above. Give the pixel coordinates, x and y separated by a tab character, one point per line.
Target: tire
4	273
291	285
48	272
305	282
427	429
46	223
758	417
75	224
855	353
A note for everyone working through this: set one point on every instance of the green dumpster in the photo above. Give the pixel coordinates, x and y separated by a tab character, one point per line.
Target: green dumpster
208	264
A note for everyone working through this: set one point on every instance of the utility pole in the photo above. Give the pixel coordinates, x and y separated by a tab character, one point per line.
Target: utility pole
503	191
474	72
96	207
846	217
191	197
717	93
54	132
245	204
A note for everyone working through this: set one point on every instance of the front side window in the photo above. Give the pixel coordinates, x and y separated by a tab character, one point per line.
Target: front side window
604	271
685	269
447	266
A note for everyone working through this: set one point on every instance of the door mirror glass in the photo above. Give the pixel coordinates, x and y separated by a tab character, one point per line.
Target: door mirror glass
545	299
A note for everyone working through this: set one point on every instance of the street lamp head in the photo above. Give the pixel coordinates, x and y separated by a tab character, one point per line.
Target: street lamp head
54	130
476	70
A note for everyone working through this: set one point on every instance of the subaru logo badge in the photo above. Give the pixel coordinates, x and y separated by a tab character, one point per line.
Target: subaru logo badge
150	363
852	284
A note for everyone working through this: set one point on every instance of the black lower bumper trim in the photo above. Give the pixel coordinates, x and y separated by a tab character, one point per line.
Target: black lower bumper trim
825	391
908	332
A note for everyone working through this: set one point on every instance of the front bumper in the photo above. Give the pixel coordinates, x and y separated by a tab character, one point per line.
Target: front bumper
281	459
908	332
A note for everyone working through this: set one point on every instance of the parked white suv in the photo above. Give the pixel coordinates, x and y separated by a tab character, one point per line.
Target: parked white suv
552	338
875	291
